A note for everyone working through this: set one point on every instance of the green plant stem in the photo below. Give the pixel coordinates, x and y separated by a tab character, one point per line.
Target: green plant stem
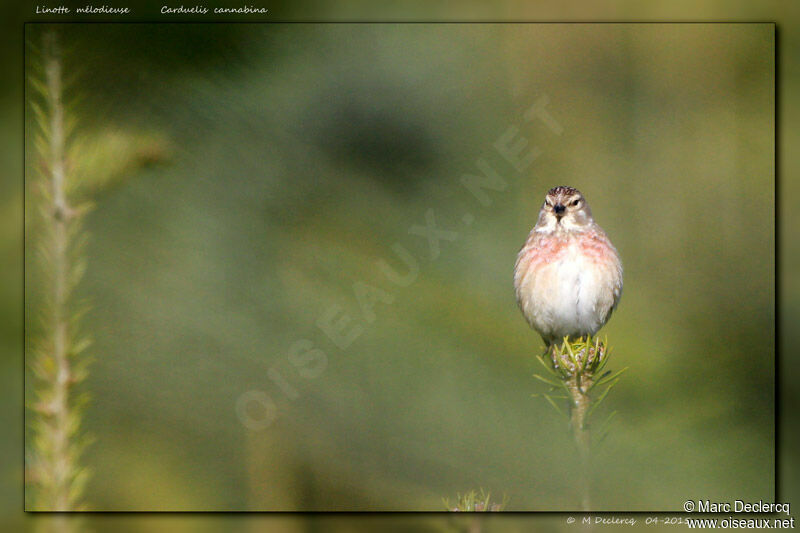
580	403
578	366
56	472
61	464
61	397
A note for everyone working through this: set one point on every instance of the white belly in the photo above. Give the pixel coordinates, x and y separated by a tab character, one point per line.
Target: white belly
567	296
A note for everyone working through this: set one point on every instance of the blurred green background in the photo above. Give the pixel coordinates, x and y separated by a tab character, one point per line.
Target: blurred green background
298	155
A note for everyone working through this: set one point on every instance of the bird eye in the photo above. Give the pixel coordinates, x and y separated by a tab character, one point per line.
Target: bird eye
576	202
547	203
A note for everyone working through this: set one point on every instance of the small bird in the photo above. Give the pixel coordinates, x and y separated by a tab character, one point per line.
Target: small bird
568	276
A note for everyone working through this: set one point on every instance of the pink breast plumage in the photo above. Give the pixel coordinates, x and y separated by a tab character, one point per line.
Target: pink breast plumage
546	249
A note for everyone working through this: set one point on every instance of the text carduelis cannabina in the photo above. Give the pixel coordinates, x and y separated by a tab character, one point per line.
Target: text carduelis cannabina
568	276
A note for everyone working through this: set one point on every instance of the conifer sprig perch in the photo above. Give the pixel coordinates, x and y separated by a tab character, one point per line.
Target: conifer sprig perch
577	373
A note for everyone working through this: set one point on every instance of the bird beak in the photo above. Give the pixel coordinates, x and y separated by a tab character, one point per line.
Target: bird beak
559	209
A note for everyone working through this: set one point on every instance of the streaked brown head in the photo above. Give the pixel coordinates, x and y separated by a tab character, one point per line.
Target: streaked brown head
564	209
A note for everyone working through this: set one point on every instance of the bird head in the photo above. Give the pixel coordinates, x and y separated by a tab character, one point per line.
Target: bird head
564	209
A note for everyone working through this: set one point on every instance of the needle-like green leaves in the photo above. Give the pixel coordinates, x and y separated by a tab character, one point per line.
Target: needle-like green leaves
582	361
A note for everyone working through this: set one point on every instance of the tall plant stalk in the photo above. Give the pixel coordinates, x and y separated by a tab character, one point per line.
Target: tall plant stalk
580	403
577	371
56	477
